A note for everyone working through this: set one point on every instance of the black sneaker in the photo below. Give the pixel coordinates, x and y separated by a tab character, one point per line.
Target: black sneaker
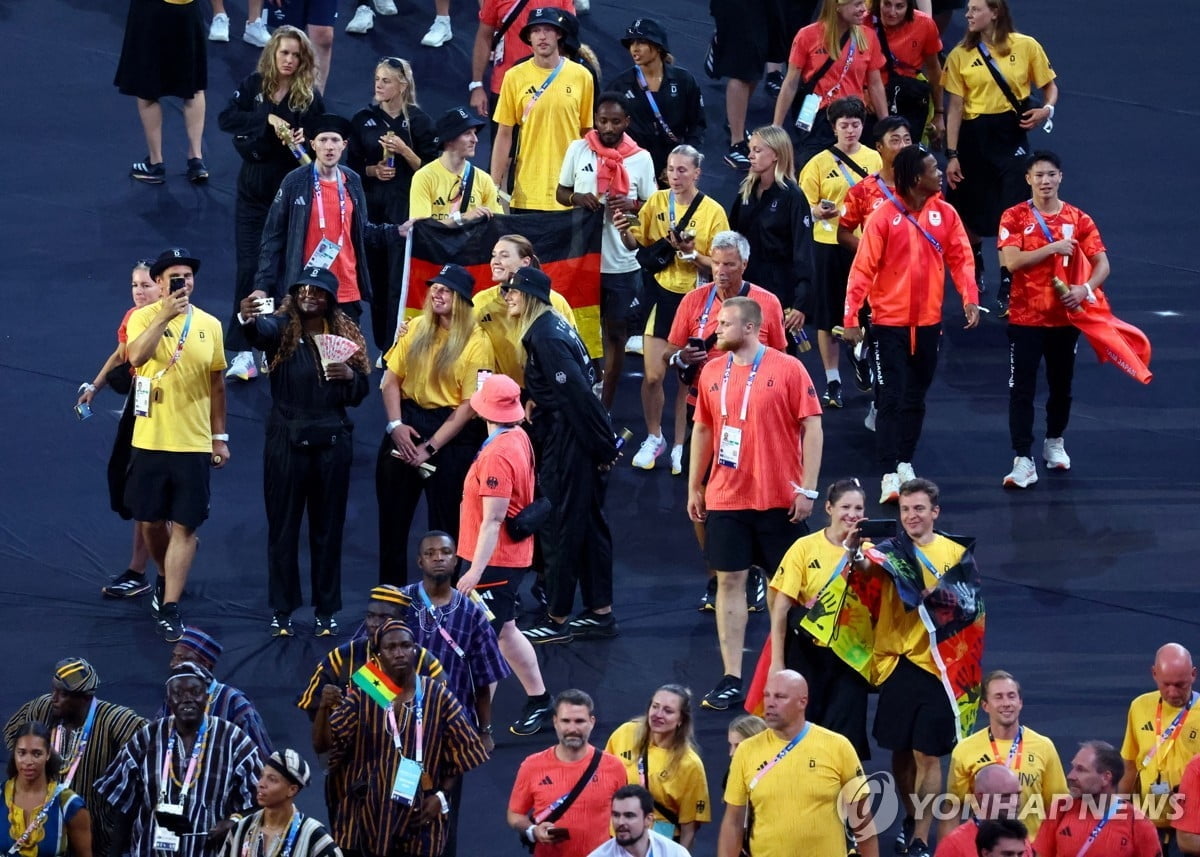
708	601
774	83
738	156
905	836
281	625
197	173
833	395
549	631
170	622
918	848
860	359
326	626
129	584
149	173
593	626
725	695
756	591
535	716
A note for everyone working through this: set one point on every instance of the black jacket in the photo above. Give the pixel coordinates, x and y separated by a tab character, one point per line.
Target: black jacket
682	107
388	201
245	117
778	226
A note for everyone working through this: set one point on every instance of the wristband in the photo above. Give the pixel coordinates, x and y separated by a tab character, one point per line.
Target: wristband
485	730
474	85
1091	296
951	154
1049	107
676	361
441	796
809	493
529	833
393	425
222	436
91	388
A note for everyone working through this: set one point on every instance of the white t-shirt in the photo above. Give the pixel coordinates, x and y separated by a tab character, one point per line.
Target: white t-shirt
660	846
579	174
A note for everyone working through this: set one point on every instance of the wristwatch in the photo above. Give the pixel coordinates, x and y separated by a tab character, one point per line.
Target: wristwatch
431	449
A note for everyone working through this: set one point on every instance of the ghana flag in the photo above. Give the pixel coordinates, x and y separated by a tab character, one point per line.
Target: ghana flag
376	684
567	244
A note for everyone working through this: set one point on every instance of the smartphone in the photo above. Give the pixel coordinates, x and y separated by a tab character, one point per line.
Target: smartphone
828	203
177	283
83	411
266	306
697	343
558	834
877	529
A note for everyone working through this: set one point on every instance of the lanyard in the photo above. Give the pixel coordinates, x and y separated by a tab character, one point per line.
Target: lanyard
671	207
193	761
538	818
59	743
288	841
533	99
900	207
850	180
1041	222
1168	736
38	820
743	290
1013	752
662	123
937	575
419	708
183	335
341	188
749	383
456	204
437	620
499	431
1112	810
845	68
791	745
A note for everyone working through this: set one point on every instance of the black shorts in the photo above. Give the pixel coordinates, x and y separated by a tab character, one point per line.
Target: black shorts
914	712
837	694
743	40
662	306
498	588
169	486
993	172
739	538
831	267
621	297
310	13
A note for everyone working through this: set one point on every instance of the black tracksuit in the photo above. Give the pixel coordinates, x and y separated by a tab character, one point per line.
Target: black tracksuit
778	225
682	107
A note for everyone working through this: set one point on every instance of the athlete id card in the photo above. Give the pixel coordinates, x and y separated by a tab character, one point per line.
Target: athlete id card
481	375
166	839
408	778
324	255
731	446
141	396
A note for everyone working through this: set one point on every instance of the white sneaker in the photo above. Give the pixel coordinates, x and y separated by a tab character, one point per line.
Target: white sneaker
256	33
1055	454
362	22
218	30
384	7
869	422
634	345
677	460
889	488
651	448
582	7
1023	473
439	33
242	367
904	472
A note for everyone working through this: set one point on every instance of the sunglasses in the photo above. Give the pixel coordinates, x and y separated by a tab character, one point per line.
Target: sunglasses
143	263
395	63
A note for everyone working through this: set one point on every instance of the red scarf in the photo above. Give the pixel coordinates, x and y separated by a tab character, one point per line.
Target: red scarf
611	176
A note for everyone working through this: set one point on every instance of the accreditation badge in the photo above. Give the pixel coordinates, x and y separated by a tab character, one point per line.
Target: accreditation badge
324	255
730	450
141	395
408	778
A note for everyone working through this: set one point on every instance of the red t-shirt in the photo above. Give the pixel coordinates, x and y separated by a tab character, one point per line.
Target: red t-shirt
123	329
543	778
1189	796
503	468
344	266
492	13
861	200
961	842
1033	300
1127	834
912	42
770	466
808	55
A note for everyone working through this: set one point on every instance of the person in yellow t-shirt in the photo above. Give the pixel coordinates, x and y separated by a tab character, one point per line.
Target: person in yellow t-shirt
795	780
437	187
1006	741
1162	734
491	312
825	180
659	753
179	434
549	96
432	436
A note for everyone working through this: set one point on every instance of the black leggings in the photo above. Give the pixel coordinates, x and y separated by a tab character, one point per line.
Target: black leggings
1027	347
903	373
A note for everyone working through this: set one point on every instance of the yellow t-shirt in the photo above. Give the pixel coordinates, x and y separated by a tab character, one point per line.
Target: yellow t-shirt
181	405
795	804
433	186
1036	765
823	178
1143	727
491	314
899	632
1024	68
562	113
447	391
683	790
653	223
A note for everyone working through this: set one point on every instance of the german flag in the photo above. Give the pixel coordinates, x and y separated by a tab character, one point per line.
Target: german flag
371	678
567	244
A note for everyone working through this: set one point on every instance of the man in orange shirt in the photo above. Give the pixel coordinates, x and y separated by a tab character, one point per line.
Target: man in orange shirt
755	462
1003	838
1038	240
561	802
997	794
1187	823
900	268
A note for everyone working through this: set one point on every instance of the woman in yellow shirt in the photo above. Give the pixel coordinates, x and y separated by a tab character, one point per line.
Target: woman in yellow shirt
432	437
658	750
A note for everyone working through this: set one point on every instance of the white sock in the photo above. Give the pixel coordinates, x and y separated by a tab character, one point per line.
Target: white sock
445	19
832	375
678	446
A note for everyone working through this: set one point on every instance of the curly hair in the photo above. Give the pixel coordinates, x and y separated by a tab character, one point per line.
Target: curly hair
300	93
339	323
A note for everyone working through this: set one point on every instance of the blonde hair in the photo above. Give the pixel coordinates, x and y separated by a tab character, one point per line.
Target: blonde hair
684	738
422	361
747	725
778	141
300	92
403	72
531	311
829	20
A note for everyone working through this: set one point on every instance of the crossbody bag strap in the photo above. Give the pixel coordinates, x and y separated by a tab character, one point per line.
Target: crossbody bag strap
578	788
691	209
507	22
999	78
810	85
848	161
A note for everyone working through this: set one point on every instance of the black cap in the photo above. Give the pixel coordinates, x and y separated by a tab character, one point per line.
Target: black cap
533	282
174	256
646	30
553	17
454	123
322	278
328	122
457	279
